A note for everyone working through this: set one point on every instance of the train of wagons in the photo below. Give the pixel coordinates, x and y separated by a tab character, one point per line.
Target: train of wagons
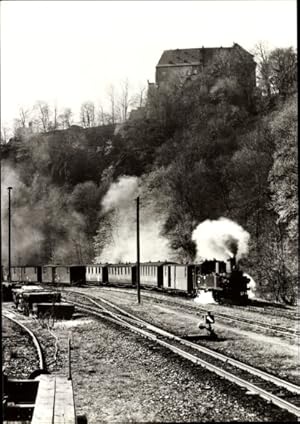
224	279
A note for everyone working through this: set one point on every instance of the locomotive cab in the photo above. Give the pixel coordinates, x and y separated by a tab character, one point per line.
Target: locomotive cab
226	282
233	284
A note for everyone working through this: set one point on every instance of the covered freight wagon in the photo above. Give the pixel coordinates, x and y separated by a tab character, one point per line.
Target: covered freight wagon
64	274
122	273
96	273
178	277
151	274
26	273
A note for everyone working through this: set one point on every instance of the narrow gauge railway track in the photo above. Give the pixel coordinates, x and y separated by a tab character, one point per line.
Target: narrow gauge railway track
288	332
14	318
280	392
270	310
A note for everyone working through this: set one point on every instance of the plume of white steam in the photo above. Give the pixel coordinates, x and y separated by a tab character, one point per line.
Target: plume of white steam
121	194
220	239
251	285
121	247
204	298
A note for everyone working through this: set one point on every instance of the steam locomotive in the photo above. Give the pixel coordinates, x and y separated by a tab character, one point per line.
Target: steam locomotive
224	279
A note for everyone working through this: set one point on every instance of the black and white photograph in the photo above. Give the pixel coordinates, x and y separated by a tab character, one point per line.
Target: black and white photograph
149	212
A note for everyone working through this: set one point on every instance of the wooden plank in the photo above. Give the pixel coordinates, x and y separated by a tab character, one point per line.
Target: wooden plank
64	410
44	404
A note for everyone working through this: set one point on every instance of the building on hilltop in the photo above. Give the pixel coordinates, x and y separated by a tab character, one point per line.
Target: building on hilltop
183	64
180	66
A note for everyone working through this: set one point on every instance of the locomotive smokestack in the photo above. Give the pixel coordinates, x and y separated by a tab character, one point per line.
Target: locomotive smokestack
231	264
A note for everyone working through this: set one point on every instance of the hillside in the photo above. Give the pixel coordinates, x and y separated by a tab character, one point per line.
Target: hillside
201	152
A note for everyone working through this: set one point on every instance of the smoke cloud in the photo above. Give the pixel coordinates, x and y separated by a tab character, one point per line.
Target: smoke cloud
120	194
121	245
26	238
204	298
45	228
220	239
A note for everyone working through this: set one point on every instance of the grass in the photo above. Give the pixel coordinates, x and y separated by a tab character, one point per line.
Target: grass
273	354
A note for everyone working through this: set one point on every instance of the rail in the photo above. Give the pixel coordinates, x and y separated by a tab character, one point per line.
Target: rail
42	363
175	343
270	327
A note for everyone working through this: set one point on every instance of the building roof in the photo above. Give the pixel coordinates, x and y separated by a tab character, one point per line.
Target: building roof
193	56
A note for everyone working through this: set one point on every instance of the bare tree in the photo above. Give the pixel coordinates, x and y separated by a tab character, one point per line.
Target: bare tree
43	115
283	63
4	135
24	116
262	56
114	109
55	118
139	99
124	101
277	69
65	118
103	117
22	121
87	114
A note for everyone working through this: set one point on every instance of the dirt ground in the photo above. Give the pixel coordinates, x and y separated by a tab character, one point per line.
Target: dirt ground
277	355
119	377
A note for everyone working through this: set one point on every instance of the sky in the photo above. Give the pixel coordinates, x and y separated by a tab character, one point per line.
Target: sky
68	52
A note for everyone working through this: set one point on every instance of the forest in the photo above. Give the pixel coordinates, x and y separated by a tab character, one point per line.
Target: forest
202	150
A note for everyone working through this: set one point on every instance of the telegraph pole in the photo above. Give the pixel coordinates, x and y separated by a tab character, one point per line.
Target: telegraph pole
9	235
1	269
138	249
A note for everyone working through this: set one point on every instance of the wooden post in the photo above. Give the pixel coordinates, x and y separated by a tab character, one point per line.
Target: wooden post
9	235
138	249
1	268
69	352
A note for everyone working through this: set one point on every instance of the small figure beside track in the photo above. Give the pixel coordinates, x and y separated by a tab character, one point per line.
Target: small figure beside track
206	323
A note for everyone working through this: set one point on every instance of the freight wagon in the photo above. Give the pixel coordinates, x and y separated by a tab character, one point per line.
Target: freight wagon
28	273
96	273
64	274
123	274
